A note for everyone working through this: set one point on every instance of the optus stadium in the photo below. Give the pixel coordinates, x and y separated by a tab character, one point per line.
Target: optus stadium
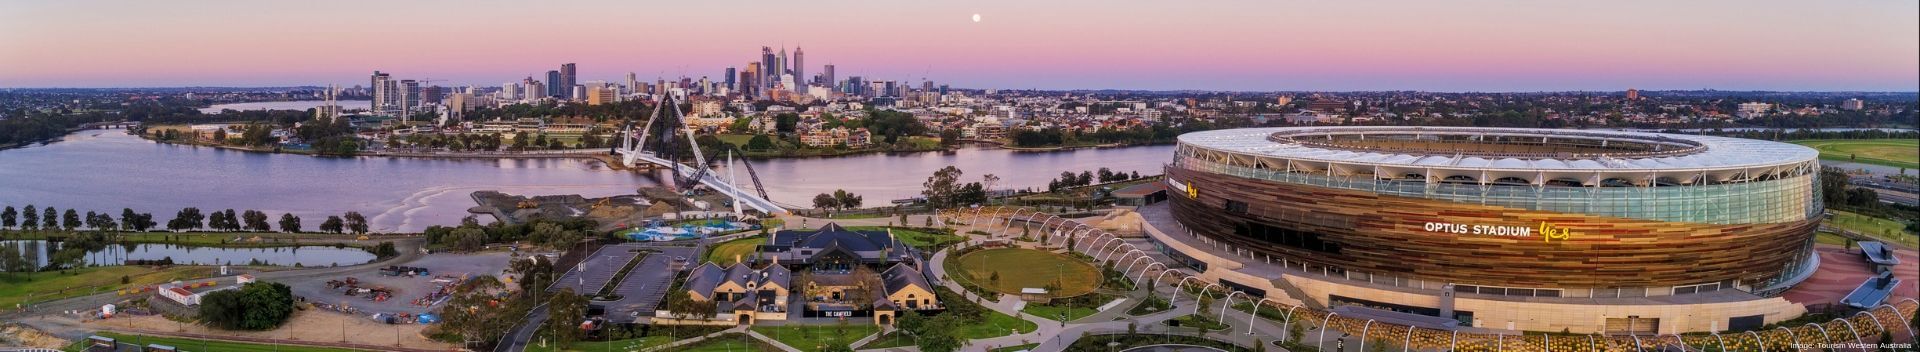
1502	228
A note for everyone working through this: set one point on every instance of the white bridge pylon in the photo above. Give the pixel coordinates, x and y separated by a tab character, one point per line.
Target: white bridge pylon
632	152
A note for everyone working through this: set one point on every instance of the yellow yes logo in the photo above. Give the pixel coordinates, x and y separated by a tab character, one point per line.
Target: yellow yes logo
1548	232
1193	192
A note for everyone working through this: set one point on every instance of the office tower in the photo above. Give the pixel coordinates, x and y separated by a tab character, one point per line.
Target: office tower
431	94
828	79
409	97
943	90
533	90
730	79
779	64
554	89
766	63
458	105
749	80
1633	94
382	92
576	92
799	66
509	91
600	95
633	83
1853	104
569	78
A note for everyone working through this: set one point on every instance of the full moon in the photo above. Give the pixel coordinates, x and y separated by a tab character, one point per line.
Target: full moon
976	17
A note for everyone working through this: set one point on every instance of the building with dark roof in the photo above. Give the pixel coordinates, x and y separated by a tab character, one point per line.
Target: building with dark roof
747	293
834	248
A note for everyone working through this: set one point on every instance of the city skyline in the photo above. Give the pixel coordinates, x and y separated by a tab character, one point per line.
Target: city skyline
1841	46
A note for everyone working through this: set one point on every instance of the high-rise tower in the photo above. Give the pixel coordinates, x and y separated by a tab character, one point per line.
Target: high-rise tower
382	92
799	66
568	79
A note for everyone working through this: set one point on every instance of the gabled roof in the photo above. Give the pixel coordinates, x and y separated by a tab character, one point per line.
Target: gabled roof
704	278
831	235
900	276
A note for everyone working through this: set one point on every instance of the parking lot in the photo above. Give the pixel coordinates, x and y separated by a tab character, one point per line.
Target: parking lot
594	272
405	290
644	287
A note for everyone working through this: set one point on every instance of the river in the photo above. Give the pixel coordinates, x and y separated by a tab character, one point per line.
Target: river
106	170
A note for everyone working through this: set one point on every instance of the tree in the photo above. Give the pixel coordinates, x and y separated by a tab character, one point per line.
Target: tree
32	218
217	221
333	224
846	200
128	219
50	219
289	223
256	221
232	222
146	222
566	310
187	219
826	201
356	222
683	306
760	142
937	334
259	305
941	187
9	218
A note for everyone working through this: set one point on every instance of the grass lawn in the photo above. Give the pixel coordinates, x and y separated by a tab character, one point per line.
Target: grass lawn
616	345
1149	306
1022	268
858	216
1026	347
811	337
1072	313
729	343
996	325
1882	228
723	254
1198	321
197	345
915	238
52	285
1890	152
1829	238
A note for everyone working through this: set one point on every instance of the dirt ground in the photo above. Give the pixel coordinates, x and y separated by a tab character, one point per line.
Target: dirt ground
308	325
406	289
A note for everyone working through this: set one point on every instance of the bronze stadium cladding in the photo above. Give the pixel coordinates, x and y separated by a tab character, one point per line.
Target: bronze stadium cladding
1386	235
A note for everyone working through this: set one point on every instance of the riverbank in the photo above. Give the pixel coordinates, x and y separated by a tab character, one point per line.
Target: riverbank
598	154
1077	147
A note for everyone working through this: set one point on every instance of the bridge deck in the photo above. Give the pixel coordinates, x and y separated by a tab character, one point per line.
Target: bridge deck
709	179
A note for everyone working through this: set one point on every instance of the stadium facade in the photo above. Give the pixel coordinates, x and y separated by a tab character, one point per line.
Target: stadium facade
1519	229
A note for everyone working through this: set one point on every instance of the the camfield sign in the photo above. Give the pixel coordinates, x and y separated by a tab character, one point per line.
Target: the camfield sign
1546	231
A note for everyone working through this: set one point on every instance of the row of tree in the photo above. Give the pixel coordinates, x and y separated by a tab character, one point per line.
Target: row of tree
187	219
1086	178
839	199
471	235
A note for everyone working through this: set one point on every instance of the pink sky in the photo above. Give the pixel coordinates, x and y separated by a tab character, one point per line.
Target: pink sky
1223	45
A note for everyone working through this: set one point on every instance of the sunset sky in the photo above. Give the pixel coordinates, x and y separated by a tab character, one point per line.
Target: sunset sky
1214	45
